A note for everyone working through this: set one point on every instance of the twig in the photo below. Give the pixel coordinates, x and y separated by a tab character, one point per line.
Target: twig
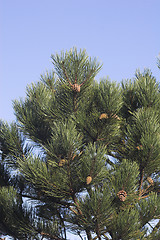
141	181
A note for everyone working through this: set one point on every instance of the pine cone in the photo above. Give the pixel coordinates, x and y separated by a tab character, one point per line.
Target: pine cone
139	147
103	115
88	180
76	87
122	195
150	180
62	162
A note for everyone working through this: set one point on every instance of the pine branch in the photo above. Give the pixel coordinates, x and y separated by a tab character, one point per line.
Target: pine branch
89	236
106	237
87	78
65	73
60	202
80	235
150	225
51	236
141	181
156	227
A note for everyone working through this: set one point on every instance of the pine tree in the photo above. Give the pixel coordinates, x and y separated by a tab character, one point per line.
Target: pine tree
83	156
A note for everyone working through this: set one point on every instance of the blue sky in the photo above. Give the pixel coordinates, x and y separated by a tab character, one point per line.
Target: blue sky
124	35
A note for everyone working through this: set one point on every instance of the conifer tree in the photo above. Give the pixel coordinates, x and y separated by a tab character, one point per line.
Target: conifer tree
83	156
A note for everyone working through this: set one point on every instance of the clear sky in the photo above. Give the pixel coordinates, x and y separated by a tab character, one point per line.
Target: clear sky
123	34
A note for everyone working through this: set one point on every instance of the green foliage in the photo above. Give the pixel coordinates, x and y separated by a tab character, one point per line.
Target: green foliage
72	68
74	65
97	212
125	177
14	221
83	156
130	99
143	139
65	140
125	225
158	62
147	89
108	97
93	164
149	208
13	143
104	129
